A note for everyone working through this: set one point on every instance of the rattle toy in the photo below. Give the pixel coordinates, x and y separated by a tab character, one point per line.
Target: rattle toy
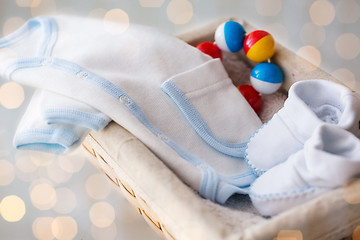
259	46
210	49
229	36
266	77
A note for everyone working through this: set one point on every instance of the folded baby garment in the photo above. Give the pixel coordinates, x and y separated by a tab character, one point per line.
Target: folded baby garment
175	99
310	104
34	133
57	124
56	108
329	159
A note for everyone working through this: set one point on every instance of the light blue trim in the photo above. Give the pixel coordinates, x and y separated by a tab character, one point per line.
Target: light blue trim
20	34
251	166
75	117
47	24
57	141
199	125
282	195
50	36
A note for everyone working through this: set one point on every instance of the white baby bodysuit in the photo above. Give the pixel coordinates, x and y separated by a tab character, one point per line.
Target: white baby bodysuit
177	100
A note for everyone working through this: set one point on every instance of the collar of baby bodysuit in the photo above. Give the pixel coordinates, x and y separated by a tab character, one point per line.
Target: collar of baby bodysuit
48	30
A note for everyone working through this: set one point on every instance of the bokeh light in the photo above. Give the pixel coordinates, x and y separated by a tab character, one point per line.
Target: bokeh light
348	46
180	11
7	173
64	228
41	228
43	7
119	17
12	208
24	3
11	95
268	8
41	158
97	13
24	163
311	54
73	162
43	196
56	173
312	34
322	12
348	11
151	3
12	24
65	201
97	186
102	214
26	170
345	76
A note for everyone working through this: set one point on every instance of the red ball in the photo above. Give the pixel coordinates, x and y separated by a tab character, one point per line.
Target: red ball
252	96
210	49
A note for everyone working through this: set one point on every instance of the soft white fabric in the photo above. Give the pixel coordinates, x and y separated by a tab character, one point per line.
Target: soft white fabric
330	158
34	133
310	104
56	108
139	79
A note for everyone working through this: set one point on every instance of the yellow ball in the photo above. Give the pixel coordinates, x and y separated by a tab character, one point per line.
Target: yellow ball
259	46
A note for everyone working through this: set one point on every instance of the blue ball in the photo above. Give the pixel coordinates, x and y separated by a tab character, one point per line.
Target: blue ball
229	36
266	78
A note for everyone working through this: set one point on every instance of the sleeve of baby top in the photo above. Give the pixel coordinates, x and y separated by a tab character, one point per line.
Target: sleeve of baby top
34	133
177	100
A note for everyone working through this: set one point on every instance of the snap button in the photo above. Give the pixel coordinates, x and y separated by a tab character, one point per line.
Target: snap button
82	74
202	166
125	100
46	62
162	137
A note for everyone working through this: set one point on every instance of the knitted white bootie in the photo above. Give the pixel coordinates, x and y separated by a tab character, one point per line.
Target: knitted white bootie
310	104
329	159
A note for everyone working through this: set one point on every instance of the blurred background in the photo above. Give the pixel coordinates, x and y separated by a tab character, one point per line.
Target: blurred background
43	196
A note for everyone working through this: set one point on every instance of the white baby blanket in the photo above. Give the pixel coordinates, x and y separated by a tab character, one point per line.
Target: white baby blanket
175	99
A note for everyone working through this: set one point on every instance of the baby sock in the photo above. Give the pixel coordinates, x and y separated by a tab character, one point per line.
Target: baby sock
329	159
310	104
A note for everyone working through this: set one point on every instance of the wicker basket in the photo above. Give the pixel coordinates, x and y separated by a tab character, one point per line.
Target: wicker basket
175	211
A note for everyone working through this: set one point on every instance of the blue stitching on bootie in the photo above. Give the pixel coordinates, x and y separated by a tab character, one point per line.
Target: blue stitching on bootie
255	170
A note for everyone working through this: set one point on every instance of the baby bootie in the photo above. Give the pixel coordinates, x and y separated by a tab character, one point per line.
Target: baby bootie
310	104
328	160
